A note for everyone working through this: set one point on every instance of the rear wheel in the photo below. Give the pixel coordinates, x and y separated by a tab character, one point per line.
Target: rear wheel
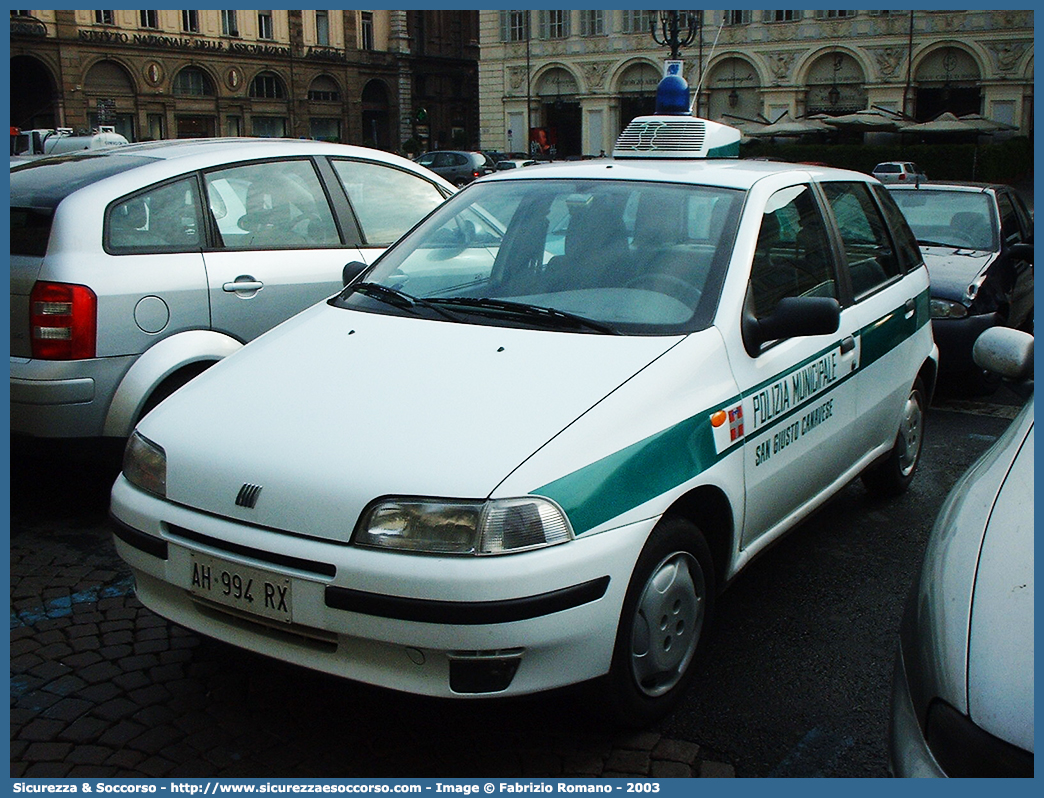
667	607
893	475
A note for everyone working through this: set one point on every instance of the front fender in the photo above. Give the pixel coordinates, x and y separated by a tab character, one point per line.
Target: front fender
154	366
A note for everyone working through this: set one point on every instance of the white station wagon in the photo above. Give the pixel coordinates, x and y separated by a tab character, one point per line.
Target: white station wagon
528	446
134	268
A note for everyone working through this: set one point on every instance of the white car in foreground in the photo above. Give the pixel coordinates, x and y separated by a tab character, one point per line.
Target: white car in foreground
507	458
962	693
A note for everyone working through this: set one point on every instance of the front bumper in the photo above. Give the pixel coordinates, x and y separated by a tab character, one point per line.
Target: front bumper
955	338
63	398
438	626
908	752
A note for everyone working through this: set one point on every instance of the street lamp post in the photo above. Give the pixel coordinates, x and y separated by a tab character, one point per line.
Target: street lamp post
669	33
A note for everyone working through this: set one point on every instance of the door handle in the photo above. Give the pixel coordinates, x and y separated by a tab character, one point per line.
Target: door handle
245	285
909	309
847	344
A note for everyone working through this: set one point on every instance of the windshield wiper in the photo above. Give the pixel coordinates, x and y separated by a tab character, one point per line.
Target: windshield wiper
395	297
925	243
547	316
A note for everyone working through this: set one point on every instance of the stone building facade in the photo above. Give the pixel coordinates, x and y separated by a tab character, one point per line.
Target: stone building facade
574	78
349	76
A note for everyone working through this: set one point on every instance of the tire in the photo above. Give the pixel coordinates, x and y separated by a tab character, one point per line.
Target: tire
892	476
171	384
667	607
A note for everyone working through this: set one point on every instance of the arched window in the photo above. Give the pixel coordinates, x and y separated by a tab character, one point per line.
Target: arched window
324	89
108	77
193	82
267	86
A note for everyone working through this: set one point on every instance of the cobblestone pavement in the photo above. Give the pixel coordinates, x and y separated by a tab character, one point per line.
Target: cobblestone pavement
102	687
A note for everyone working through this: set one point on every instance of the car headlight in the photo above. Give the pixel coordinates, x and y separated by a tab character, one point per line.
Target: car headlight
145	465
945	309
435	526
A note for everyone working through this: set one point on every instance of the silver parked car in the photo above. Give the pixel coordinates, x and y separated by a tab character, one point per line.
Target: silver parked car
962	694
135	268
899	172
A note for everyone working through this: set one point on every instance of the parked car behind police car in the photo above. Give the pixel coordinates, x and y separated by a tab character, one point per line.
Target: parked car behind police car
136	267
975	238
528	446
962	692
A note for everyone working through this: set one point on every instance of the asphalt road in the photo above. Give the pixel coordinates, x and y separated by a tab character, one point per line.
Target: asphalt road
793	681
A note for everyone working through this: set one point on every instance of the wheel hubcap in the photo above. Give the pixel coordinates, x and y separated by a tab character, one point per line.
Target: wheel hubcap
910	434
667	623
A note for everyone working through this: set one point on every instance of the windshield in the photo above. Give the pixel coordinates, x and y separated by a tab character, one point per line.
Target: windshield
591	256
959	219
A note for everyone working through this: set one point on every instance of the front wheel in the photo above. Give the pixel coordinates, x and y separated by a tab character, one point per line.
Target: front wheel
667	607
893	475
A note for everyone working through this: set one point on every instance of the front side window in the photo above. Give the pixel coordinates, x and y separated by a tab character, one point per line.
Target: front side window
906	248
577	256
161	219
271	205
387	201
792	255
872	260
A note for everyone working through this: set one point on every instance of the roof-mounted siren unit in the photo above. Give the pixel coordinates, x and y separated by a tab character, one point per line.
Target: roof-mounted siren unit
673	132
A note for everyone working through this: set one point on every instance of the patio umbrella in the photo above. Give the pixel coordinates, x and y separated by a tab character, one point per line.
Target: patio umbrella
787	125
943	123
984	125
871	120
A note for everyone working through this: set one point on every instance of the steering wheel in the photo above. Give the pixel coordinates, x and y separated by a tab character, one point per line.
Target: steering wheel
667	284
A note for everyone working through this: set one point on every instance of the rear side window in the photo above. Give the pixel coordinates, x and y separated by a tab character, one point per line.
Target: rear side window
163	218
868	247
271	205
30	229
906	247
387	201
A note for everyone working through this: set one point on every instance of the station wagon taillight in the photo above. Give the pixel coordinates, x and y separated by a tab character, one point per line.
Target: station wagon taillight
63	321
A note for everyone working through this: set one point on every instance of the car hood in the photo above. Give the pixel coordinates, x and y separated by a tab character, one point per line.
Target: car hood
1000	649
937	630
952	270
336	408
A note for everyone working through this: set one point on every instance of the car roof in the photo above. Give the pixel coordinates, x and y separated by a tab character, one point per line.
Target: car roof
721	172
130	166
955	185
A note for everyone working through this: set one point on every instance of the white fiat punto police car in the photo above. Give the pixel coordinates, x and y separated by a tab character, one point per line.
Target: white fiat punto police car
529	445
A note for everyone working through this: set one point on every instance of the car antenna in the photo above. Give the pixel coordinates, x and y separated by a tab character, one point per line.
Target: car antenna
710	55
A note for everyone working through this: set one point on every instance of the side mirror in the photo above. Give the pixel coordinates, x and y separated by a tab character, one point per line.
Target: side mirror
794	316
1006	352
352	270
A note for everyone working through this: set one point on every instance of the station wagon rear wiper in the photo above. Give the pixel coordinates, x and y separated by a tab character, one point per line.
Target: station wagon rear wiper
553	316
396	298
